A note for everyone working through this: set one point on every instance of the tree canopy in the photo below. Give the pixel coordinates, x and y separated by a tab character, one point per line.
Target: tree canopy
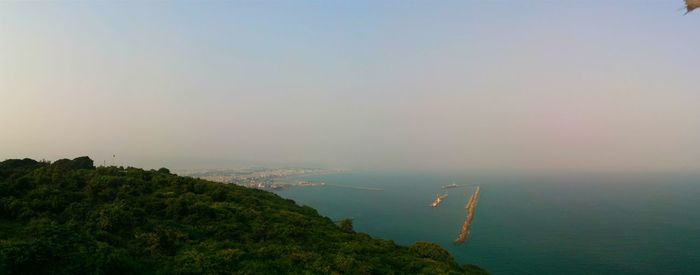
69	217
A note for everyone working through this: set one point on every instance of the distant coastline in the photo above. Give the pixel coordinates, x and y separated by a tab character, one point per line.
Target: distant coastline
263	178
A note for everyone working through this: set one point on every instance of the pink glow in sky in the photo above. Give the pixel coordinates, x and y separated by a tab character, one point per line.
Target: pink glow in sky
459	85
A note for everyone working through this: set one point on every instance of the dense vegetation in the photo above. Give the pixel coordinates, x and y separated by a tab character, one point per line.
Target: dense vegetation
69	217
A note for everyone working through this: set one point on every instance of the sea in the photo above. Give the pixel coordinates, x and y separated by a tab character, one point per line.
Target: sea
565	224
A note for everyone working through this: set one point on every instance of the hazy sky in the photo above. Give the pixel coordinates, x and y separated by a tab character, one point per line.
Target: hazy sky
461	85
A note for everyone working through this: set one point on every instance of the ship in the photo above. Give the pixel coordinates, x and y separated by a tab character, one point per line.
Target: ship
453	185
438	200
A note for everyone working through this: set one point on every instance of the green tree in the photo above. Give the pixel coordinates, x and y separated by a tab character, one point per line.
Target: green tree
69	217
346	225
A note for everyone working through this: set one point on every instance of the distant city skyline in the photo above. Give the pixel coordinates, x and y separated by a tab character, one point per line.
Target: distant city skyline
543	86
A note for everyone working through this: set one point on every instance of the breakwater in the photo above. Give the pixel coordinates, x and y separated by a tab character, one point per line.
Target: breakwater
471	205
355	187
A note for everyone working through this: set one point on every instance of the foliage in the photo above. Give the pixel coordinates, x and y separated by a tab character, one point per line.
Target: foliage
69	217
430	251
346	225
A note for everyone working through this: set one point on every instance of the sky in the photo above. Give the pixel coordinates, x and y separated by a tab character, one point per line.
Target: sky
412	85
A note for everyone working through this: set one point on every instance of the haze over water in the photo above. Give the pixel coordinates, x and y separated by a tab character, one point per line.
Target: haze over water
623	224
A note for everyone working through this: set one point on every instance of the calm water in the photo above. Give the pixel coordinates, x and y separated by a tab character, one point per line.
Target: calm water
527	225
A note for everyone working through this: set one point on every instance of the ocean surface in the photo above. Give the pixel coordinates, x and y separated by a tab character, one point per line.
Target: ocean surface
621	224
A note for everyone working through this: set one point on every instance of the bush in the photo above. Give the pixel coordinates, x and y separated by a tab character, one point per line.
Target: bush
346	225
431	251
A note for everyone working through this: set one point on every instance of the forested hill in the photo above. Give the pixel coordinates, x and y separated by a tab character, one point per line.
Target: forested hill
69	217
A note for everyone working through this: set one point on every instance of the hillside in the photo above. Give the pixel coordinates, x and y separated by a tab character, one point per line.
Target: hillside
69	217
